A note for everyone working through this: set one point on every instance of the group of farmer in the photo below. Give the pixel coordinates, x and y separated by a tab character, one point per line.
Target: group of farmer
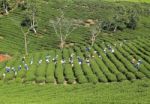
70	60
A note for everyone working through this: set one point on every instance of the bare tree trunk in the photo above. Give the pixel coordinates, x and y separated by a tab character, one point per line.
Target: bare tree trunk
25	44
115	29
93	40
62	43
6	11
5	7
34	30
33	23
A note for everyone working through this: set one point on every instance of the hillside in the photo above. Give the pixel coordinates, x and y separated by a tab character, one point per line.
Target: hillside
141	1
10	25
75	52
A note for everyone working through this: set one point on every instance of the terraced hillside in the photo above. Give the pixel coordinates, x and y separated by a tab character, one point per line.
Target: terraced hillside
12	40
115	70
103	66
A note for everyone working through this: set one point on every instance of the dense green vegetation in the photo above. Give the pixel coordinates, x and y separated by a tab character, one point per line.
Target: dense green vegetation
115	69
112	93
10	25
146	1
108	67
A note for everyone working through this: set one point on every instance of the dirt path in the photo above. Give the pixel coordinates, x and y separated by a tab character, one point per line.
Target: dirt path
4	57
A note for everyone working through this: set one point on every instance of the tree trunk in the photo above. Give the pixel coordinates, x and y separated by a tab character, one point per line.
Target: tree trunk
33	23
34	30
6	11
5	7
62	43
25	44
93	41
115	29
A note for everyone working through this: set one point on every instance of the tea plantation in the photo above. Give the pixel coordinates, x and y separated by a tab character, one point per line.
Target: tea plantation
114	70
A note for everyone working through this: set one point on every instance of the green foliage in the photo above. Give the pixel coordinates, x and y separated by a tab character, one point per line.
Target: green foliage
68	73
50	73
59	74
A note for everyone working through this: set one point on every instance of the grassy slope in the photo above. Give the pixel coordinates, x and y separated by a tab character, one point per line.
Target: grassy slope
137	92
147	1
12	40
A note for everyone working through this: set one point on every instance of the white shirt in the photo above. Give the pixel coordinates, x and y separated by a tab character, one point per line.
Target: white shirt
112	50
40	61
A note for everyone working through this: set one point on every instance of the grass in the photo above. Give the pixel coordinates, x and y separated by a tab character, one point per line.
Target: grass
108	93
146	1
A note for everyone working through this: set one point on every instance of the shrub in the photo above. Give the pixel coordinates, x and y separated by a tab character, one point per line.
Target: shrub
50	73
98	72
40	79
89	74
78	73
130	76
59	74
18	80
68	72
49	79
120	77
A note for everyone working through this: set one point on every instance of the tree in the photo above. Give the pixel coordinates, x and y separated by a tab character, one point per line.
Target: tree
22	4
63	28
25	34
95	31
30	19
118	22
133	18
5	7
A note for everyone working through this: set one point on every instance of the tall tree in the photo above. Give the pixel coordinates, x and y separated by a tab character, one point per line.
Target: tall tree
4	6
63	28
30	19
25	34
133	20
95	32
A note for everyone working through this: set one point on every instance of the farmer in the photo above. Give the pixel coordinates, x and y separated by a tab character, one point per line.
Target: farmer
7	69
133	61
47	61
48	57
87	49
93	55
15	73
138	64
4	75
112	50
80	60
71	60
13	69
63	61
40	61
23	59
71	56
109	47
55	59
105	50
88	62
26	67
120	44
31	62
98	54
95	51
19	67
